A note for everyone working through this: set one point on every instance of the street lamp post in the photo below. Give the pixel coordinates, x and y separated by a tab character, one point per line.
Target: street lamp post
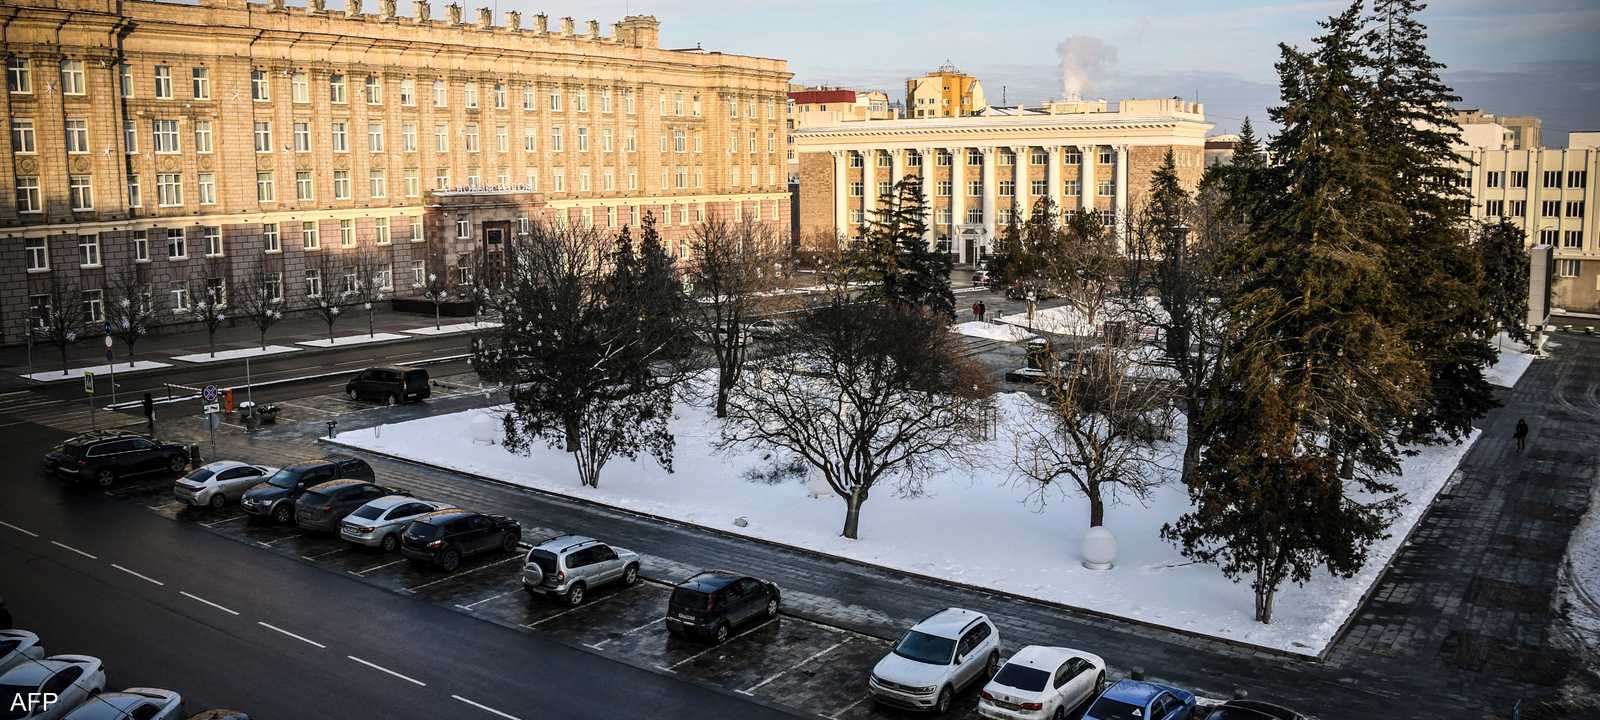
113	366
368	305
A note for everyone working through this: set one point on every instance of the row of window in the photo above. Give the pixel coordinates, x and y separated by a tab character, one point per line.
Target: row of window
975	157
1005	188
1519	178
1564	239
1547	208
974	216
19	80
36	250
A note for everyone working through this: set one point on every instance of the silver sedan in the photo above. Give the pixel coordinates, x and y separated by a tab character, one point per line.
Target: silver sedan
18	647
141	703
218	483
379	523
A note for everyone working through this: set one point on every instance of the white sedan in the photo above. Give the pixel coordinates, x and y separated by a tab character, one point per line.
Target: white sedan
18	647
379	522
131	704
1042	682
72	679
217	483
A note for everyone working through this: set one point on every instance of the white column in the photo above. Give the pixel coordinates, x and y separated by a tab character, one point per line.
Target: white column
1021	201
958	199
1086	191
869	184
991	158
841	192
927	193
1122	194
897	170
1054	179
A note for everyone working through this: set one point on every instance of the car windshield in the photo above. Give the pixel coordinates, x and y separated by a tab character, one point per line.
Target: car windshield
284	478
1107	709
925	648
1022	677
10	708
421	530
367	512
199	476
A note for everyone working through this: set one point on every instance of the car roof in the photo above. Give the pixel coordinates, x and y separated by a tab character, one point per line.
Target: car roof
948	623
389	501
1042	657
1134	692
710	581
113	706
398	368
220	465
94	435
439	517
1263	708
332	485
15	634
562	543
38	671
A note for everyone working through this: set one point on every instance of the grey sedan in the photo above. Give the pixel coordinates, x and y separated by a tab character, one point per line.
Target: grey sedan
379	523
217	483
138	703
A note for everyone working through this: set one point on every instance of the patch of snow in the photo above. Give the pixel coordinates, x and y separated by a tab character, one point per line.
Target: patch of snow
1583	572
1513	361
993	331
77	372
458	327
349	340
252	351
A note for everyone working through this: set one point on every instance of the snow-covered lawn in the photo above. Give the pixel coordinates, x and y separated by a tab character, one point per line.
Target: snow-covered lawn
457	327
972	526
1514	360
252	351
349	340
993	331
77	372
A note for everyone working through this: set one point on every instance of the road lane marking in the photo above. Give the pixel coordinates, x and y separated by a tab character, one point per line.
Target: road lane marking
197	598
487	599
146	578
464	572
29	533
215	523
486	708
381	668
73	549
363	573
848	708
305	640
714	647
325	554
576	608
626	633
753	688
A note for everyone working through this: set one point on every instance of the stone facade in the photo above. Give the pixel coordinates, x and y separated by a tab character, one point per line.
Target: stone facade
241	121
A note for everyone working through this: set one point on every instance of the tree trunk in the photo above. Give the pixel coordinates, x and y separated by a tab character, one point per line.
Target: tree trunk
263	339
571	422
852	516
1191	455
1097	507
436	314
1264	593
63	360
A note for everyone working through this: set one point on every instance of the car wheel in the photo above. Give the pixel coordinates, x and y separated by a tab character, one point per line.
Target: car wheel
178	463
105	477
1060	713
350	393
450	560
391	400
1099	683
283	514
575	594
772	607
508	544
942	705
217	501
389	543
991	666
630	575
720	635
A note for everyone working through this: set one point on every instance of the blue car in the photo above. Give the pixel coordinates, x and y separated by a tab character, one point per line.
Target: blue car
1139	700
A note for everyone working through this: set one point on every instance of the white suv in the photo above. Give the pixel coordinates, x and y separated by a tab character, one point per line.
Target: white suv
938	657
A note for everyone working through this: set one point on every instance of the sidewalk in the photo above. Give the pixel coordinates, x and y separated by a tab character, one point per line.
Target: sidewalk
168	343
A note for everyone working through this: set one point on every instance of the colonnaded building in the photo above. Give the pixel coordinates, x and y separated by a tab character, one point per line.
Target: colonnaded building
191	146
978	172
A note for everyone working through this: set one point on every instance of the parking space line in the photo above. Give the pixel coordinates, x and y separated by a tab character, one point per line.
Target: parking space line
215	523
279	540
835	714
626	633
381	668
335	551
65	546
487	599
753	688
590	604
714	647
305	640
486	708
29	533
363	573
197	598
464	572
145	578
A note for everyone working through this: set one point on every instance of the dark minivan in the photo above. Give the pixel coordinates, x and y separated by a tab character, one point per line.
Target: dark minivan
712	604
322	507
275	497
392	385
446	537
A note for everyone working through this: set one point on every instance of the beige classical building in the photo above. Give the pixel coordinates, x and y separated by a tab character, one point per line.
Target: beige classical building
1549	194
979	172
819	106
946	92
196	143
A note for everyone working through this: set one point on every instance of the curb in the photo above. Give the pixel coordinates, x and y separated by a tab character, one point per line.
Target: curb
1096	614
284	381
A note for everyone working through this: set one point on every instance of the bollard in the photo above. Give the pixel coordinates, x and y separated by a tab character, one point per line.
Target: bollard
331	425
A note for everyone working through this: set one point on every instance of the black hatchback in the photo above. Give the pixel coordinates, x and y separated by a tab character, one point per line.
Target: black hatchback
712	604
322	507
446	537
275	497
105	456
392	385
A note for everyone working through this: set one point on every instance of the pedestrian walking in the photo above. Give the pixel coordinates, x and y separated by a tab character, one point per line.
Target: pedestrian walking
975	314
150	413
1521	434
982	310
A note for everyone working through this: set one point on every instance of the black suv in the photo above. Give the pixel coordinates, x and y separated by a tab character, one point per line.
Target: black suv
390	384
275	497
711	604
324	506
445	537
106	455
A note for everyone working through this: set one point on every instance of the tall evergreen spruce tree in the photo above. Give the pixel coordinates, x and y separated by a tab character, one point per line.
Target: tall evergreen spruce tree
895	255
1505	277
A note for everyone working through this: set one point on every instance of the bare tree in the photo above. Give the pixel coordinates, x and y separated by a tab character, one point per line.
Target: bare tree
208	305
132	308
261	298
61	322
329	302
373	281
862	393
435	288
733	264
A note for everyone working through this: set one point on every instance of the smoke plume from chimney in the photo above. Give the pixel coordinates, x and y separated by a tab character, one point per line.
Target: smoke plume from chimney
1083	61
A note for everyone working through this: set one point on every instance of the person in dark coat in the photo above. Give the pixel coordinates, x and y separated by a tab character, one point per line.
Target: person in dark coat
982	310
150	413
1521	434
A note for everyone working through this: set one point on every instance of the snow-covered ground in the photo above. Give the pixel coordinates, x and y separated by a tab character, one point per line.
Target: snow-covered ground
993	331
349	340
455	328
252	351
972	526
1514	360
1583	571
77	372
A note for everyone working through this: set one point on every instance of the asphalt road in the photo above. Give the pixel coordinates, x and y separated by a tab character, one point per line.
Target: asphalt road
169	605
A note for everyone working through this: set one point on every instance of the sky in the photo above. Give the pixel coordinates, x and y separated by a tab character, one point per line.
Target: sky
1512	57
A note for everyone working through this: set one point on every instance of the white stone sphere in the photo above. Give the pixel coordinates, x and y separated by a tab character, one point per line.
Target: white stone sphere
1099	549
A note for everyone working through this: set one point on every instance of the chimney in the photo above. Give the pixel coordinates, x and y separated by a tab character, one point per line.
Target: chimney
641	31
566	27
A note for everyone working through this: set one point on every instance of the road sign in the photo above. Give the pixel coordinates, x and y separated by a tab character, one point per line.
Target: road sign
209	394
213	408
88	383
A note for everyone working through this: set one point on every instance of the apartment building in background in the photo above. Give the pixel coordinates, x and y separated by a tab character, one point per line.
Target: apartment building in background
946	92
978	172
203	143
818	106
1526	130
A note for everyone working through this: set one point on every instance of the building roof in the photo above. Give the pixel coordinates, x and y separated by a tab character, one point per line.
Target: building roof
807	97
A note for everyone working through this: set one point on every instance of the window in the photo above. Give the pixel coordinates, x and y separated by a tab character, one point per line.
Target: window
502	139
884	188
94	309
377	184
302	186
608	181
633	179
314	283
1519	178
1577	178
1071	188
441	137
341	137
1519	208
302	137
408	92
1550	208
527	97
269	238
499	96
1569	268
275	286
22	138
750	145
265	187
469	94
441	179
463	229
347	233
419	273
412	182
555	99
135	198
944	188
1552	178
141	246
633	141
558	180
177	244
1108	156
341	184
1493	178
374	89
89	250
309	238
679	141
856	187
213	240
260	90
163	82
975	188
165	133
375	137
380	230
200	81
202	136
1494	208
336	89
263	137
1575	208
72	77
77	131
180	298
38	252
439	94
1038	188
28	194
408	136
169	189
416	229
1572	239
300	87
1105	188
945	158
19	77
206	186
1549	237
556	143
125	74
472	137
130	136
1008	188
